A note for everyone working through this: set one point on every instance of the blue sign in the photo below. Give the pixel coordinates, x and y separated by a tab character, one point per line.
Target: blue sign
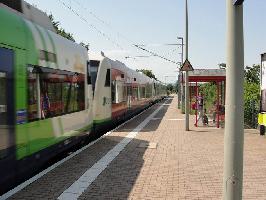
21	116
238	2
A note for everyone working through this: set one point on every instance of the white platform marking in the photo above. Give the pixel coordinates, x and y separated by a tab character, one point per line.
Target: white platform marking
176	119
156	118
79	186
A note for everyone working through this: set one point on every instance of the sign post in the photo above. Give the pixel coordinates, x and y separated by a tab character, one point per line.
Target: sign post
187	67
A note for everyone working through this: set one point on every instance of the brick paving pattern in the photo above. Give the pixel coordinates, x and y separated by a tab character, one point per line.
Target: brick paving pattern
179	164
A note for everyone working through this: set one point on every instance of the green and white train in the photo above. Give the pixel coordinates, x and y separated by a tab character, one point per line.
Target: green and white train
51	96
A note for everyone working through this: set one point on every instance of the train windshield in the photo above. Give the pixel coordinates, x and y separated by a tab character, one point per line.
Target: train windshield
94	66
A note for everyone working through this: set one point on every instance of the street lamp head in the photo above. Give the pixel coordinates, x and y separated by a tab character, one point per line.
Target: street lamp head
238	2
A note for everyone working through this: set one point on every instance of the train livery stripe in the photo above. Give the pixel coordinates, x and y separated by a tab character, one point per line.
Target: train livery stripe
102	121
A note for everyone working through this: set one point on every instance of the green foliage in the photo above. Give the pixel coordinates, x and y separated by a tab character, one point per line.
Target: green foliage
170	88
252	74
251	91
209	92
147	72
60	30
251	101
251	95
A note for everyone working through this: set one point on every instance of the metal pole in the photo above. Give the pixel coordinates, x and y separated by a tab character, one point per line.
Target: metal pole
218	106
190	95
234	117
181	83
197	94
179	92
182	57
187	78
182	49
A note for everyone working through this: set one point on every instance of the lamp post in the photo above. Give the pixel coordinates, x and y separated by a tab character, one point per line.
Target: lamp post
181	93
234	112
182	50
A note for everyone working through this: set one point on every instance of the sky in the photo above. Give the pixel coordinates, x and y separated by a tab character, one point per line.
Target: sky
114	26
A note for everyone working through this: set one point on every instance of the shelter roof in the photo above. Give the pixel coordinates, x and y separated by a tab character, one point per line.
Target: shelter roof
207	75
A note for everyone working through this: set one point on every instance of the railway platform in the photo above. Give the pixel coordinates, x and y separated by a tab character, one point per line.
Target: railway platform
150	157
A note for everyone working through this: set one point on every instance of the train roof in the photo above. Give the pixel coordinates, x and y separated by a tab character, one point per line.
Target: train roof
130	73
29	12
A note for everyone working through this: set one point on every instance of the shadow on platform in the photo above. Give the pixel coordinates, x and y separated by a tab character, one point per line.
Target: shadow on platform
118	179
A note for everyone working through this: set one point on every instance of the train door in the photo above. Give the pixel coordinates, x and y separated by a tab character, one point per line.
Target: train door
7	119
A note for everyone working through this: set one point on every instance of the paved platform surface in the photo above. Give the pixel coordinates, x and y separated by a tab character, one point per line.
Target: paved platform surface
160	161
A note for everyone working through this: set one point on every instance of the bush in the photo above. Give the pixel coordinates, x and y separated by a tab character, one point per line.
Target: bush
251	103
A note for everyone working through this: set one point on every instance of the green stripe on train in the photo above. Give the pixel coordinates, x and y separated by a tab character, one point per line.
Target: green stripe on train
41	136
102	121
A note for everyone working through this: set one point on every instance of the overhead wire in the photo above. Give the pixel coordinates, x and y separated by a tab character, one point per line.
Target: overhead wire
102	21
155	54
89	24
140	47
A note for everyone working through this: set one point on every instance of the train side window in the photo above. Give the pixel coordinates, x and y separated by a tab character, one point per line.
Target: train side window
62	93
47	56
108	78
143	92
51	57
42	55
135	92
129	90
3	115
32	95
53	93
120	92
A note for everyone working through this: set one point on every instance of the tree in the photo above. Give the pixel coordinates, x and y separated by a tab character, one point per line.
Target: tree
209	91
170	87
251	95
87	46
60	30
252	74
148	73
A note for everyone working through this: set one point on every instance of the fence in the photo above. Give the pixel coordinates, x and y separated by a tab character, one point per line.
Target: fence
251	111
